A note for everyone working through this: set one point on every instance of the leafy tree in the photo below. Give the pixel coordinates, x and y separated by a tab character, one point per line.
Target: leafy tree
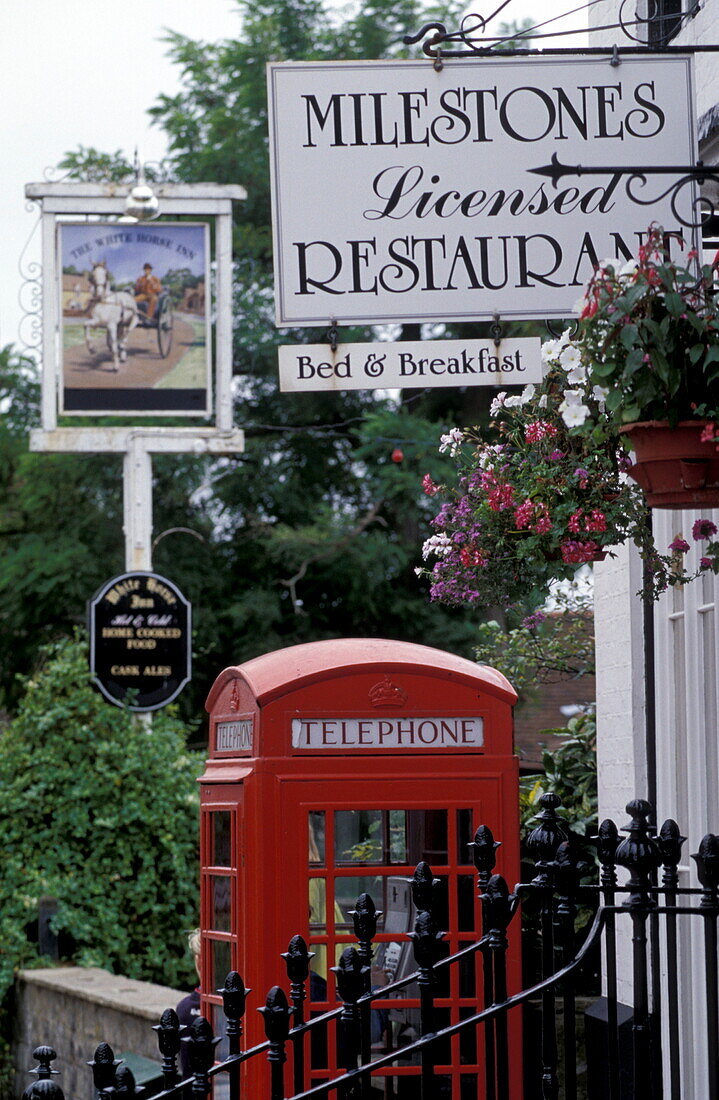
314	532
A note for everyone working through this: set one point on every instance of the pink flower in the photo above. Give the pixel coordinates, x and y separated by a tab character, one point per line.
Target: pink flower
597	521
576	553
706	563
523	514
703	529
556	455
679	544
583	476
530	621
469	555
708	433
538	430
575	522
500	498
429	486
543	524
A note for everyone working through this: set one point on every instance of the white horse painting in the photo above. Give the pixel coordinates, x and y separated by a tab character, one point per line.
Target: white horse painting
116	311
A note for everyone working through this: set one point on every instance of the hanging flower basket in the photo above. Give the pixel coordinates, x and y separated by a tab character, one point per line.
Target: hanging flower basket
649	337
543	491
675	466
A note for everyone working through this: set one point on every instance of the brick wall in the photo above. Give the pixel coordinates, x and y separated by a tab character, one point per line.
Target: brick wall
72	1009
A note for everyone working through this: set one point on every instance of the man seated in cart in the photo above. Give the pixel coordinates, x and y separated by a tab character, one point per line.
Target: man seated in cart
147	291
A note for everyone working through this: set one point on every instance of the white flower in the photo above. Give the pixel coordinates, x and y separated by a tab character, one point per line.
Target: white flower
542	403
497	403
528	393
569	357
514	401
550	350
577	375
573	411
600	395
489	454
574	415
628	269
436	544
452	441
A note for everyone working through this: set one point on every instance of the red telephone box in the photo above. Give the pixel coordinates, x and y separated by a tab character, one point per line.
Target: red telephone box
334	768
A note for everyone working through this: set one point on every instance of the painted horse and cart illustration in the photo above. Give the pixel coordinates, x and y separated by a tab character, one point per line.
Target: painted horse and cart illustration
120	311
135	307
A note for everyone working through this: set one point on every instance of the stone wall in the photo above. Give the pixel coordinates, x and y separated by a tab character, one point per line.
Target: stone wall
72	1010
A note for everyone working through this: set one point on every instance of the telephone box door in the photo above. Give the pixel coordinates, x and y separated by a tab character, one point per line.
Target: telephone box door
374	848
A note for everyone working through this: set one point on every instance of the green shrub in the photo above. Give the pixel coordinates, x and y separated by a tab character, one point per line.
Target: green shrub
101	813
570	771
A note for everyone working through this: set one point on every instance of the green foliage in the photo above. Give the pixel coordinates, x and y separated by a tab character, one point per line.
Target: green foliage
570	771
101	814
649	334
550	645
90	164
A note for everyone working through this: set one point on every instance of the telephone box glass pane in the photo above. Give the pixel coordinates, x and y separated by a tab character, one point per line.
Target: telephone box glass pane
222	1050
468	1039
318	973
387	837
347	890
221	839
359	837
317	837
221	897
432	829
318	905
465	903
221	964
467	973
465	834
468	1085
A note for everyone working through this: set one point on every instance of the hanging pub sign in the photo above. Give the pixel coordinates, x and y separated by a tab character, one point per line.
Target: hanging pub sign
140	640
135	320
403	193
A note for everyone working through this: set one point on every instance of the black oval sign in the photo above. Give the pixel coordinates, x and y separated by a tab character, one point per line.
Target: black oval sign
140	640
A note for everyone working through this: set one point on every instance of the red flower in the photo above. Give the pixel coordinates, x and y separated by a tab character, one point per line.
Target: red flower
500	498
429	486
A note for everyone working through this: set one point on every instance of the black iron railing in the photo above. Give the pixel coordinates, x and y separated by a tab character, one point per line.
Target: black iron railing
632	924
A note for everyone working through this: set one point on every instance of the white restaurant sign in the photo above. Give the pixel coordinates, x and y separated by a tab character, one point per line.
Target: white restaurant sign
405	194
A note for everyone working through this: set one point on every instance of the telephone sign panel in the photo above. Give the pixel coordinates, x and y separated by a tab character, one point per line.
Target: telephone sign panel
334	768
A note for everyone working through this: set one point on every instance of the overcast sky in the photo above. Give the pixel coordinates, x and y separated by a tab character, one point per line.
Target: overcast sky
85	72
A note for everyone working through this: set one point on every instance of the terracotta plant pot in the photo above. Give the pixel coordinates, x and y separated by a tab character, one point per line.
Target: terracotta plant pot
673	467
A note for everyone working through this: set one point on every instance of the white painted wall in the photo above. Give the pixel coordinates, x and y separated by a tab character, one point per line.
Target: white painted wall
687	643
